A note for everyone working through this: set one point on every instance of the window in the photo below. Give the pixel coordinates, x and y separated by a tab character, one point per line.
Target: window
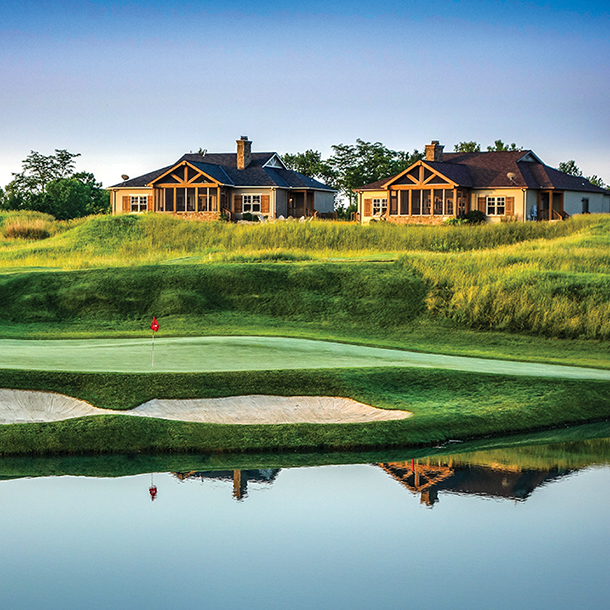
416	202
448	202
251	203
380	206
426	202
139	203
438	202
496	206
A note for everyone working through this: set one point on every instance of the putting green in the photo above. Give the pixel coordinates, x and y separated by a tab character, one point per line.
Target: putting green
207	354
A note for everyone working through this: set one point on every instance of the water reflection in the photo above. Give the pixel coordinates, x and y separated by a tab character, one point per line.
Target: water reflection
240	478
508	473
352	534
428	479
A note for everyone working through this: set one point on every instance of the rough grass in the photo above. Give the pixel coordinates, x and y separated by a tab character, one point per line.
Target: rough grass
546	279
446	405
152	238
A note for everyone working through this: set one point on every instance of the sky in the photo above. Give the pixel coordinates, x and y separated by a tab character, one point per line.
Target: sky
132	86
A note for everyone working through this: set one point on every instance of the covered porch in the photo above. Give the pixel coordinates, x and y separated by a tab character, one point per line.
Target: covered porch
550	206
301	203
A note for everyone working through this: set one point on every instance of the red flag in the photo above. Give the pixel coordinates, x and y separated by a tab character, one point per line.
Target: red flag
155	325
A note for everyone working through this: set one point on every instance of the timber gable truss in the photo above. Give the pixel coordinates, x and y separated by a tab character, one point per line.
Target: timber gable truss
186	189
420	190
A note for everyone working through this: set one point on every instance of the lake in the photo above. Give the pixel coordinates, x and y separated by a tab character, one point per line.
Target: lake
521	525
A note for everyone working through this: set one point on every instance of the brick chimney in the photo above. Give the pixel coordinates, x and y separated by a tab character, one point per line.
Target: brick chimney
434	151
244	152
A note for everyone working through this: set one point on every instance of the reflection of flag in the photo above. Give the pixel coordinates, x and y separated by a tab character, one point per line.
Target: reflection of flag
154	325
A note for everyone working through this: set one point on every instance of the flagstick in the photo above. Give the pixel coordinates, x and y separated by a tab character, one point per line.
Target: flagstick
153	351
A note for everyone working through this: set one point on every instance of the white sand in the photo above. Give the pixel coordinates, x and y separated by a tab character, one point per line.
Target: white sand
24	406
257	409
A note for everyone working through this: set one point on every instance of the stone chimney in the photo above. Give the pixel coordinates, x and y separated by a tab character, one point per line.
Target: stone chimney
434	151
244	152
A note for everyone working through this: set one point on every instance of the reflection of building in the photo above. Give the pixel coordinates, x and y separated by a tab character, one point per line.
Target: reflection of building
428	479
240	478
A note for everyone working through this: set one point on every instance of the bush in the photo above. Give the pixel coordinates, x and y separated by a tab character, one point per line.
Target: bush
475	217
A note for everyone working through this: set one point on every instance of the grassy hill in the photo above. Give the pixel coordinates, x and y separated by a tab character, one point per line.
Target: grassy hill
538	279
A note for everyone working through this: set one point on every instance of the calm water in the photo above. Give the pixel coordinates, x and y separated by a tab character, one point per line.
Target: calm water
510	528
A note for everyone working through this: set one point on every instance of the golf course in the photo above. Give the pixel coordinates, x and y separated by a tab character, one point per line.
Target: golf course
470	331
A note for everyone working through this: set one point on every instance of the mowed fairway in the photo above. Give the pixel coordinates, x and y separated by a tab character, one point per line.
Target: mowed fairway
222	354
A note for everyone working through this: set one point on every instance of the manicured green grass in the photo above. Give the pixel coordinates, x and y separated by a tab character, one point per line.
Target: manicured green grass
446	405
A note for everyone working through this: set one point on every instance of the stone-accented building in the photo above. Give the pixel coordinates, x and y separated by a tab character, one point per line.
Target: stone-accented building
207	185
499	184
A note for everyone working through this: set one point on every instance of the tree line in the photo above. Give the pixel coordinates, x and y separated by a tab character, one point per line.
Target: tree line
50	184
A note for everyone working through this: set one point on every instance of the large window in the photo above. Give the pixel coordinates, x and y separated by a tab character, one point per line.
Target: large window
438	202
416	202
251	203
139	203
426	202
496	206
380	206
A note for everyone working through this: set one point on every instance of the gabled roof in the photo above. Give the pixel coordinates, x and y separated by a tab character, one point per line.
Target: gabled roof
222	167
506	169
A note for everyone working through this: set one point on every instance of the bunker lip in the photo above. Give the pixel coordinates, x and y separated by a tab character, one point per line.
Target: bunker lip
27	406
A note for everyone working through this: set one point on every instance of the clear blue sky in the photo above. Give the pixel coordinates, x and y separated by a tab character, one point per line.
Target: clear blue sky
134	85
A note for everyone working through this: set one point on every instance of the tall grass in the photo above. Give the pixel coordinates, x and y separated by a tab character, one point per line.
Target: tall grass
151	238
549	279
558	288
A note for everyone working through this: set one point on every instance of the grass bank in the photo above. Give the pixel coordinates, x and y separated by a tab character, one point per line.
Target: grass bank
561	448
446	405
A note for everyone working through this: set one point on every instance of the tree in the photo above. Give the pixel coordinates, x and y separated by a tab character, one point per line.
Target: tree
475	147
39	170
351	166
499	146
467	147
310	164
48	184
570	168
75	197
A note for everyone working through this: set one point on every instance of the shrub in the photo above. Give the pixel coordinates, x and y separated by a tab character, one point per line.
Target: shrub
475	217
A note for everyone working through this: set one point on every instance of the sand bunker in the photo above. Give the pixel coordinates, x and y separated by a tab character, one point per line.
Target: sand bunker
256	409
24	406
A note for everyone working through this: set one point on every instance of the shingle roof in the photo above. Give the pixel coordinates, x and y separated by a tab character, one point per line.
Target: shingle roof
506	169
223	168
142	180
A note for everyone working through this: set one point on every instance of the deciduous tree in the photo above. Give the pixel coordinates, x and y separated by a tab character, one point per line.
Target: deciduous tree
570	167
47	183
467	147
499	146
